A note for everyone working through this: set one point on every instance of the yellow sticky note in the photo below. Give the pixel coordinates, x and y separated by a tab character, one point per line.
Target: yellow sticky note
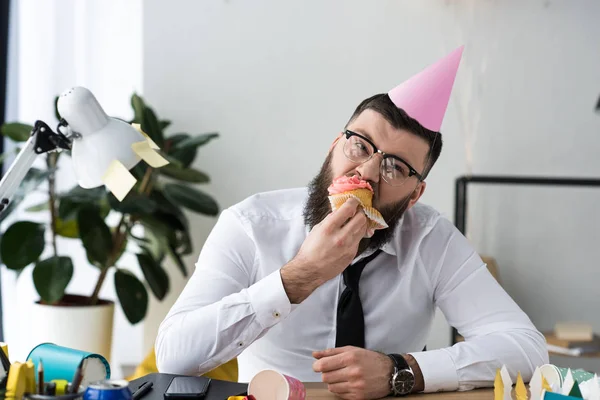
498	386
17	380
545	384
139	129
520	389
29	376
4	347
118	179
148	154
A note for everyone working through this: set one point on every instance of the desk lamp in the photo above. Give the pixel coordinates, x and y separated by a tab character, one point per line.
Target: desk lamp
95	141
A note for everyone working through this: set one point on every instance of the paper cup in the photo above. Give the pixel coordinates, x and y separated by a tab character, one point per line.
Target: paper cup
272	385
61	363
556	375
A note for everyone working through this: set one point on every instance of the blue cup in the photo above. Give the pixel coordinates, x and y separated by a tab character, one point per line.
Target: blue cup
62	362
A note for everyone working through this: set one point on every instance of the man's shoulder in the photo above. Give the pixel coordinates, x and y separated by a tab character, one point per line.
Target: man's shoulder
424	218
283	204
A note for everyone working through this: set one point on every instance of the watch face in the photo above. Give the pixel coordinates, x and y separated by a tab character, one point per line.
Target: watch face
404	382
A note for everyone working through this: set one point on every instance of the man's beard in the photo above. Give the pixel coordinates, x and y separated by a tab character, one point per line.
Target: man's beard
318	207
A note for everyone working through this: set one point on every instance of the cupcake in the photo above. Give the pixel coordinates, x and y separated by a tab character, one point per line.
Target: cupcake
346	187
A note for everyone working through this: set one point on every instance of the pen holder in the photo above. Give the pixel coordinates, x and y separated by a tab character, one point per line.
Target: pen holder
61	362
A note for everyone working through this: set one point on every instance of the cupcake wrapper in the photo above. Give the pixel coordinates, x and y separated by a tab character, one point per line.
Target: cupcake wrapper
376	220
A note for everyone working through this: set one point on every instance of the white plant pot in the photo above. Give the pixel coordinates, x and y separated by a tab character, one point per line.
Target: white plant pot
82	327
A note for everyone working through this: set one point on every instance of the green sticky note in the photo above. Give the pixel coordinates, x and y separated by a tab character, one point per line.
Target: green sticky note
575	391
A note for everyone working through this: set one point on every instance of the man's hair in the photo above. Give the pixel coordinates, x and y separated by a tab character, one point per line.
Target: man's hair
399	119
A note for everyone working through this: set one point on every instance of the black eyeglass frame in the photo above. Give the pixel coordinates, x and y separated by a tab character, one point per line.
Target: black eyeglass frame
411	171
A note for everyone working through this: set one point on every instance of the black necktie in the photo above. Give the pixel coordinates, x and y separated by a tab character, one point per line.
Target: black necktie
350	318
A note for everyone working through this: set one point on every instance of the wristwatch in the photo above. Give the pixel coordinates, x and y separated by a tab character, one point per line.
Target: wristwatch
403	378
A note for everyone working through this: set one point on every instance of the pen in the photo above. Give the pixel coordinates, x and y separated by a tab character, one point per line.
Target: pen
142	390
40	373
77	378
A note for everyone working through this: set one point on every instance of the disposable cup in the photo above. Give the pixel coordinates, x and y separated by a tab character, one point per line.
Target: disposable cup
556	375
272	385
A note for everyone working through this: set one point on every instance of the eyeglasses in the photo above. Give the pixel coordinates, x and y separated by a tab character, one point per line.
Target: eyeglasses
394	170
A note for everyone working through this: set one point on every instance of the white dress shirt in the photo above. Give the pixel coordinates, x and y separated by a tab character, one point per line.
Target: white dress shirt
234	305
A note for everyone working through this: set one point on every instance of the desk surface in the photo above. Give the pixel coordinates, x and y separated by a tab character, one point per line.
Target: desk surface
318	391
220	390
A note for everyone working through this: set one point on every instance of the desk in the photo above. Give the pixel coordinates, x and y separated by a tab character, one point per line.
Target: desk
220	390
318	391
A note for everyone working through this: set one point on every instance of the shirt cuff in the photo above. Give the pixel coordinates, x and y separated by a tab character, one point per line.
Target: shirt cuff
438	369
269	300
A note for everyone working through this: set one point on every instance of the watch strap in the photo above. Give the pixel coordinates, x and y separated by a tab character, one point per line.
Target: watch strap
399	362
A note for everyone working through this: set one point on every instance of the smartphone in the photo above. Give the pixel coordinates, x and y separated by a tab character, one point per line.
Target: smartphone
187	387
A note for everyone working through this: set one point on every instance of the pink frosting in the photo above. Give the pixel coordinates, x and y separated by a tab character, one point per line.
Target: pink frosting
347	183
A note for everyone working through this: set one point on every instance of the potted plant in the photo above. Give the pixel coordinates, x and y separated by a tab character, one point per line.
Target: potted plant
151	224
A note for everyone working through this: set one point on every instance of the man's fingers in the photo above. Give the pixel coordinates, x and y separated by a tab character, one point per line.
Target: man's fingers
357	226
328	352
339	388
337	376
329	363
344	213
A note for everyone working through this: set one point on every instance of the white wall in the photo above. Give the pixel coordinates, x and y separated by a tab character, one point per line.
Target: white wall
278	80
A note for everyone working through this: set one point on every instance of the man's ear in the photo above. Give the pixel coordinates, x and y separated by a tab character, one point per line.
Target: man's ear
417	193
334	142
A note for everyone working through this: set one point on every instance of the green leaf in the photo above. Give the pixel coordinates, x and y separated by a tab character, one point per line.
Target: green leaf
168	212
151	126
178	261
155	275
133	203
22	244
43	206
68	229
76	198
132	295
191	198
95	235
81	195
164	124
184	174
51	278
172	160
185	156
137	103
17	131
195	141
56	113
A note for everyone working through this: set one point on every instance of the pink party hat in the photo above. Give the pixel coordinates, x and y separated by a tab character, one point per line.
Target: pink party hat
425	96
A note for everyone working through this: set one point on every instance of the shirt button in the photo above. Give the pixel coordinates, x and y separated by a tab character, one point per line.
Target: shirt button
276	314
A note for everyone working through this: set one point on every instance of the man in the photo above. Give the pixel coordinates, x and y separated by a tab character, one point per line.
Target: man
274	287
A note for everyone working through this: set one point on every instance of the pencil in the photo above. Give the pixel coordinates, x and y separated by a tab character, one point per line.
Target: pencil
77	377
40	373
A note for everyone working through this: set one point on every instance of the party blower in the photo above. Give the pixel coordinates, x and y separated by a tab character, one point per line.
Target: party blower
103	149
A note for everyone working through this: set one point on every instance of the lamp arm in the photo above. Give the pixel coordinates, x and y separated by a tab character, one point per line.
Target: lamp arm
42	140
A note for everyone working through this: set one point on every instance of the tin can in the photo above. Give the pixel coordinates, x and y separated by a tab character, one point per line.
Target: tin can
108	390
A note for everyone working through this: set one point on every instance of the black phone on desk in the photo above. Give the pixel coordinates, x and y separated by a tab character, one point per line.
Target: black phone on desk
187	387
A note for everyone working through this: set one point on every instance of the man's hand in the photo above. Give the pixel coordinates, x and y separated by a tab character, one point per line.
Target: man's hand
355	373
326	252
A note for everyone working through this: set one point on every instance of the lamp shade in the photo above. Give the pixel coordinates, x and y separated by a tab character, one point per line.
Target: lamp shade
99	138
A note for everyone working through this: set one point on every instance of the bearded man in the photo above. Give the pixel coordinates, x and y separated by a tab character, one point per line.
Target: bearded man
277	282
